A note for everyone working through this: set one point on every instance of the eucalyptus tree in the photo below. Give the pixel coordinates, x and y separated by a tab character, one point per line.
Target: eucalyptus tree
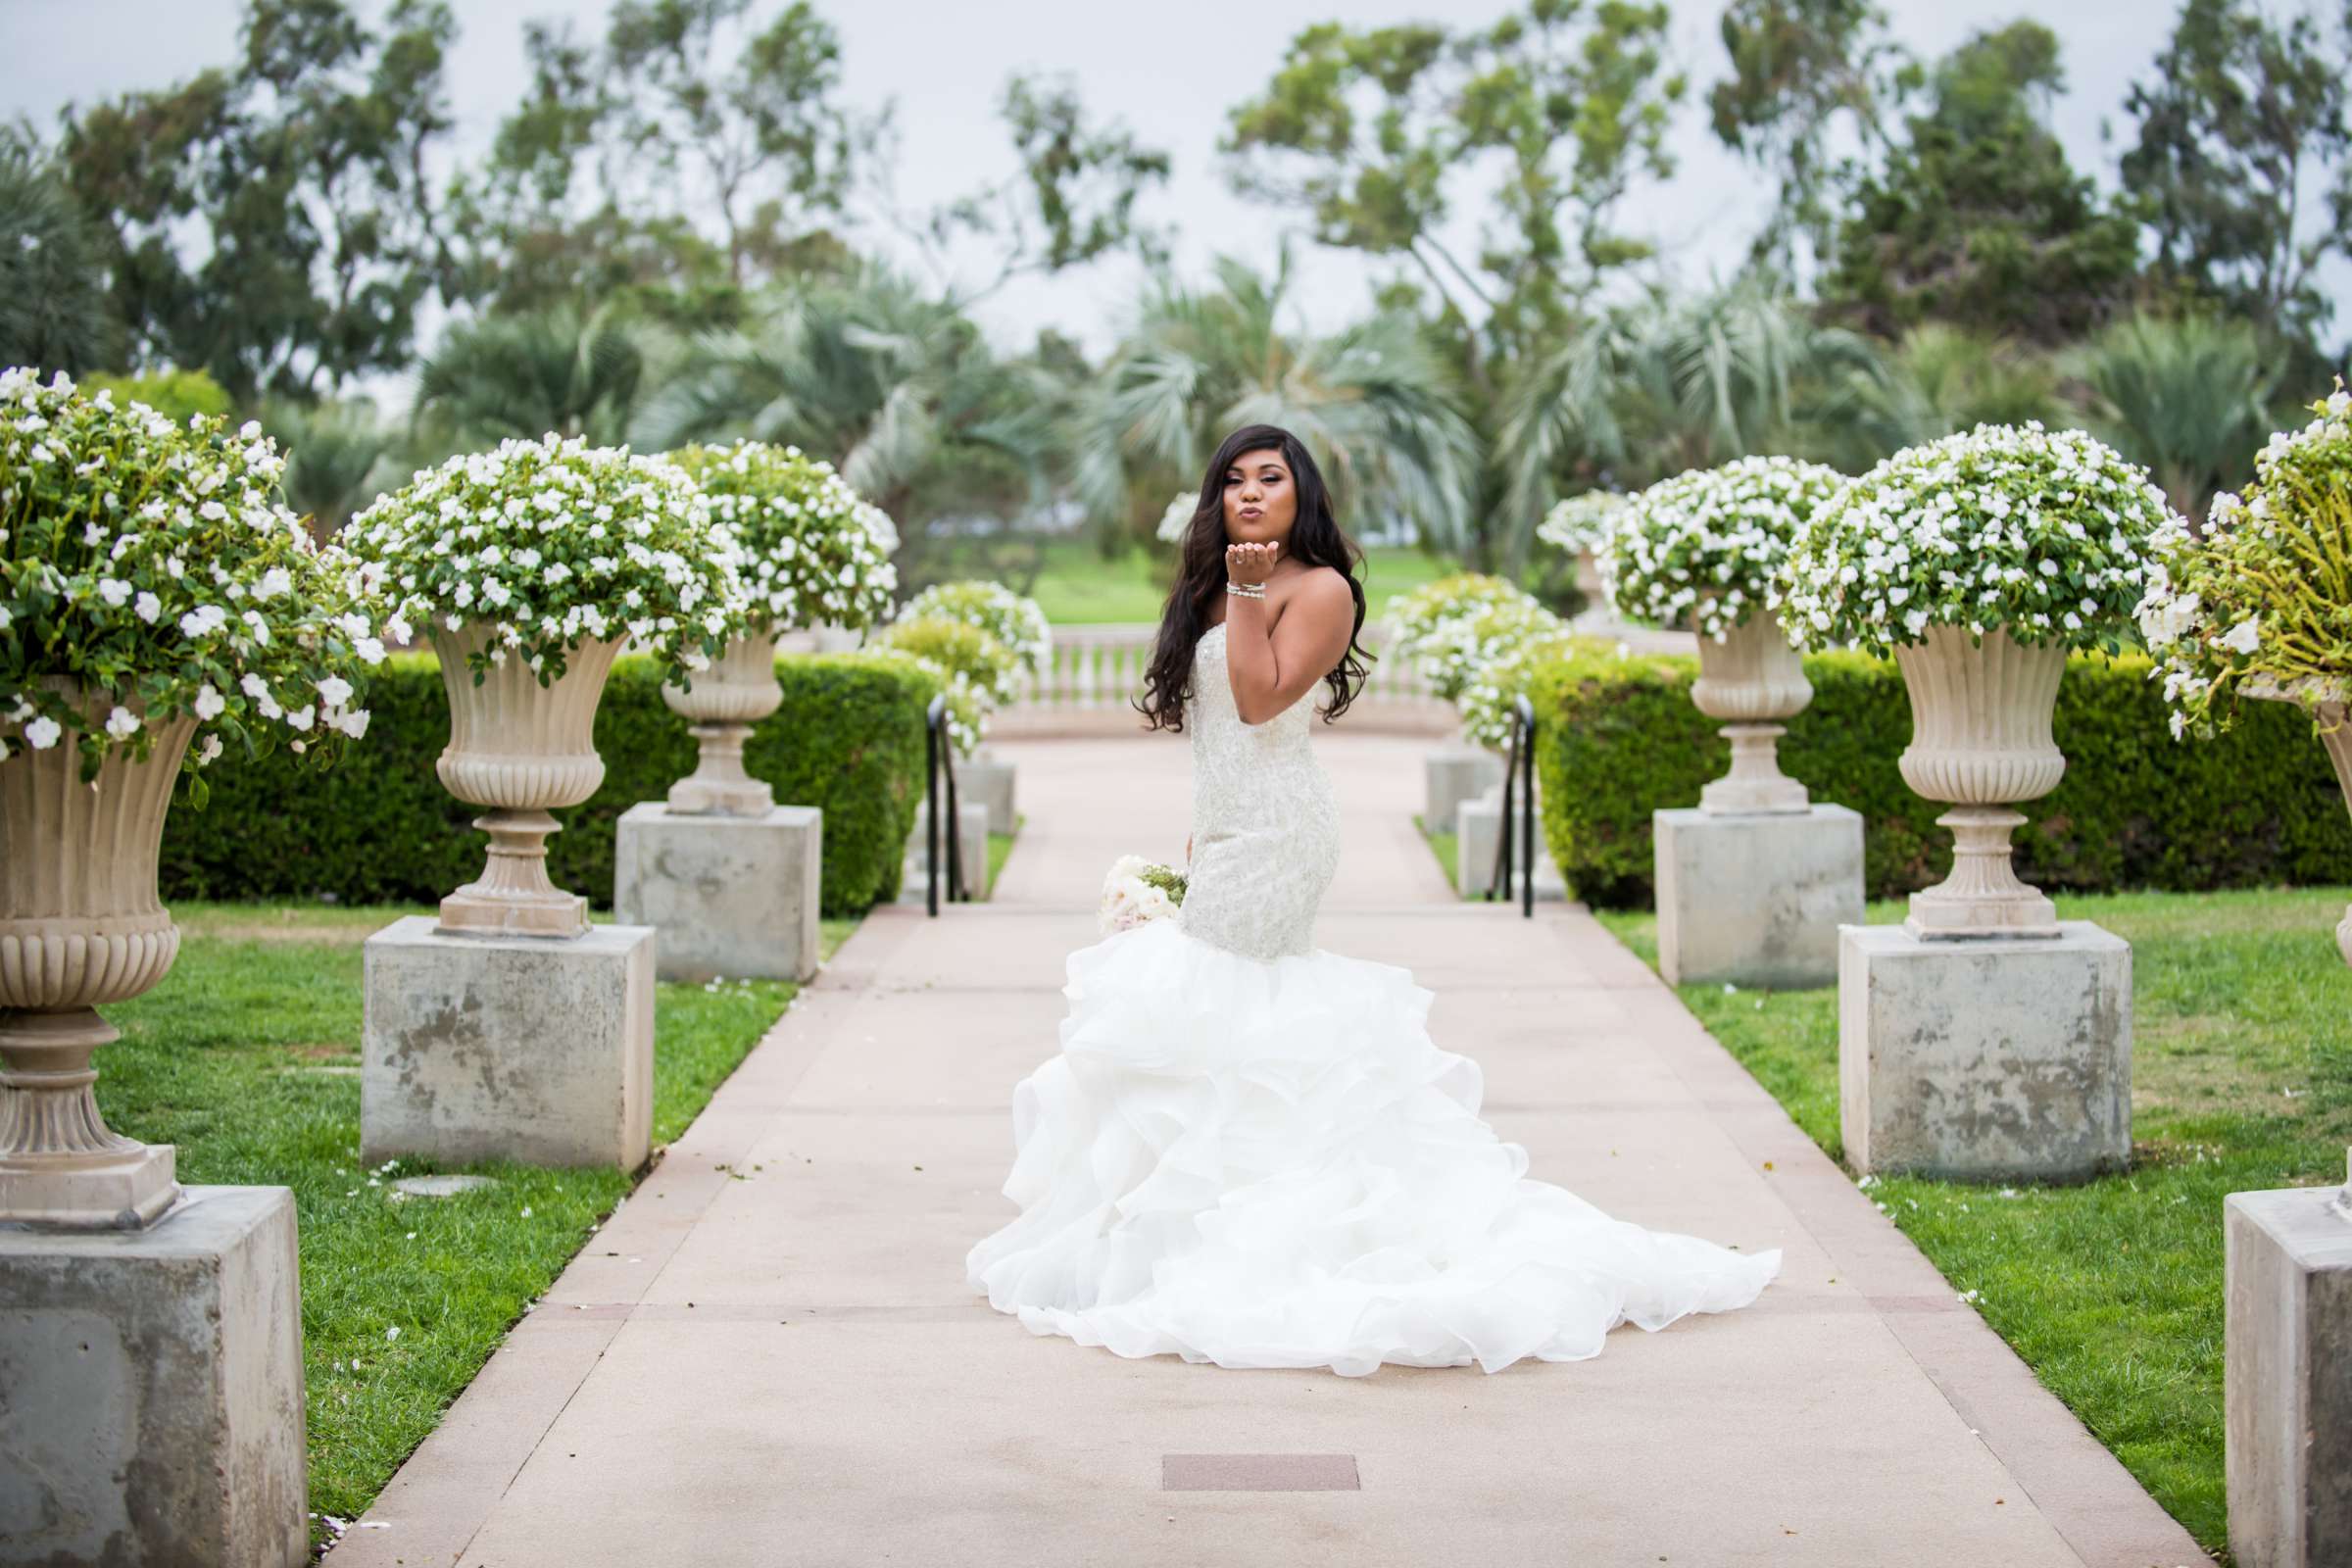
2190	398
1373	402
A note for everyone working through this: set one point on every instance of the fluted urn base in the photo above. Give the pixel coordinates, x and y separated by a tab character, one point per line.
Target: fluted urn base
1982	896
60	1166
514	896
718	786
1755	784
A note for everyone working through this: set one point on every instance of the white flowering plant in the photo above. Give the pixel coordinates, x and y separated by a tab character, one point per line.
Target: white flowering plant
2043	533
1701	550
155	563
976	671
1014	620
1454	654
1583	521
554	543
1177	517
2264	600
1489	702
1412	618
1136	890
813	550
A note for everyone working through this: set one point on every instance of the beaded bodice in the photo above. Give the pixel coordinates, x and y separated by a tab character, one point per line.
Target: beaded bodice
1265	823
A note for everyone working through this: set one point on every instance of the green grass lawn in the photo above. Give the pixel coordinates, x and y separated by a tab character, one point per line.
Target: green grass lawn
999	845
2241	1078
1078	587
247	1057
1446	846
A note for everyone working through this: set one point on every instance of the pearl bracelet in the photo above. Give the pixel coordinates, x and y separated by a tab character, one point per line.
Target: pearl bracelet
1246	590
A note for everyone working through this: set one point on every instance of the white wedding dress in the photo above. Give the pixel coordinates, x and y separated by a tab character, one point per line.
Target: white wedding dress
1249	1152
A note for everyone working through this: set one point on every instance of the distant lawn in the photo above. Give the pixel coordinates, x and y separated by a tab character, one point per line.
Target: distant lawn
2241	1078
247	1057
1078	587
1446	846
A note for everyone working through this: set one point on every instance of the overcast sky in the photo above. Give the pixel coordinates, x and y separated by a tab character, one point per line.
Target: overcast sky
1169	70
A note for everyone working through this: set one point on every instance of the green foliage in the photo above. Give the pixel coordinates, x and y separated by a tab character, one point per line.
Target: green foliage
2188	398
848	739
275	223
1978	220
1936	382
174	394
1617	738
54	313
525	375
2242	122
961	649
1372	402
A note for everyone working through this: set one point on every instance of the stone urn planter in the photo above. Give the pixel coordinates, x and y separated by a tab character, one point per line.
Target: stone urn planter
1980	740
520	750
81	927
1752	681
736	692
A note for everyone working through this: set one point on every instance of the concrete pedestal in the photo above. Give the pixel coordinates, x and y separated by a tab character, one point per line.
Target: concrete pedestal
1452	774
974	817
151	1390
989	782
1757	898
2288	1378
733	896
508	1047
2003	1058
1478	845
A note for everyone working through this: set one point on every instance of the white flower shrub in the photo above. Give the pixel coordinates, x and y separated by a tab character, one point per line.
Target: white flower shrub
1701	549
1178	518
1489	702
2045	533
2265	596
1014	620
554	543
814	551
1583	521
1459	626
156	564
1136	890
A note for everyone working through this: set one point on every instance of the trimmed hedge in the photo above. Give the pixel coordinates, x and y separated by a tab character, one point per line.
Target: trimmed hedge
1617	738
379	827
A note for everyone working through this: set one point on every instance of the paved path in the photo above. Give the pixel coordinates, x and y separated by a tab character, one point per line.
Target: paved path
768	1356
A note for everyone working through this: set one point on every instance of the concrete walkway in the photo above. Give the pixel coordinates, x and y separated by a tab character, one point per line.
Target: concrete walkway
768	1356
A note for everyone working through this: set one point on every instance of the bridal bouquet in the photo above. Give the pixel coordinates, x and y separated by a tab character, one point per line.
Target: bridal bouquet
1137	890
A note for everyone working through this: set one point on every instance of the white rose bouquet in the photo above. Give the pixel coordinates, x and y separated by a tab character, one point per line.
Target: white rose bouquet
1016	621
2264	598
554	543
814	551
1702	549
1137	890
2042	533
155	563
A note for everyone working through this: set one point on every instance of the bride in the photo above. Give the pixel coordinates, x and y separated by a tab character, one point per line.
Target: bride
1249	1151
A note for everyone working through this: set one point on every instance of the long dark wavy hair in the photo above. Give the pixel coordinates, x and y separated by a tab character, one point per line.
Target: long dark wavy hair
1315	539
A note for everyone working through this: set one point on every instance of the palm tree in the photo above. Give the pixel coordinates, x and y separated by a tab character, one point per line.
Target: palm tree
1669	383
529	375
899	390
2189	398
1937	381
54	313
1372	402
333	451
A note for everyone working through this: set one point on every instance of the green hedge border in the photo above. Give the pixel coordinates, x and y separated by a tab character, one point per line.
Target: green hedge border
1617	738
380	828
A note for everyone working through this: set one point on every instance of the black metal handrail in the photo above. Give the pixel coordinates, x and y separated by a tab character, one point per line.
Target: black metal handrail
1520	763
939	757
